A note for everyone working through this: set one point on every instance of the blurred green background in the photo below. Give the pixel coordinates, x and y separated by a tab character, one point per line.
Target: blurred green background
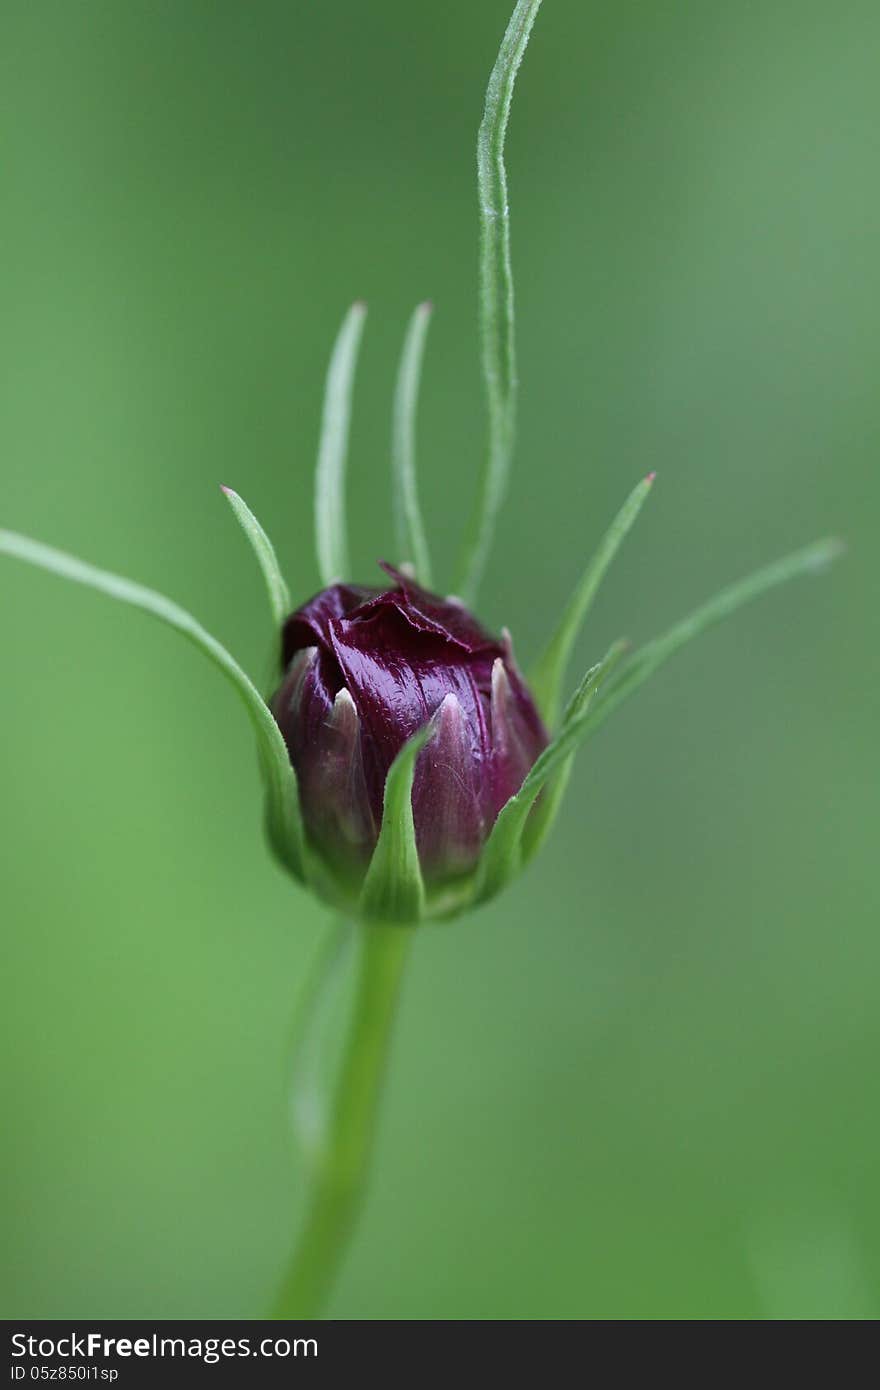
642	1084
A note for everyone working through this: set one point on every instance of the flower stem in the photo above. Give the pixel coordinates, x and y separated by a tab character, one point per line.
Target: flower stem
339	1181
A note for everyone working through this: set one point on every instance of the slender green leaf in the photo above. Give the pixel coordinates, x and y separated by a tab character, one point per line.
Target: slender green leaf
812	559
276	585
504	850
539	824
284	824
496	296
597	675
393	889
331	535
546	680
412	544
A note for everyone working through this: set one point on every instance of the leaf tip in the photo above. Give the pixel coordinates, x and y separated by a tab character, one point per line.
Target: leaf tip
835	547
650	477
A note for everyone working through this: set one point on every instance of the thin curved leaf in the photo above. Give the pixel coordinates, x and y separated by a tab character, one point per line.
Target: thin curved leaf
276	585
496	296
506	846
812	559
549	673
412	544
539	824
503	851
331	534
283	813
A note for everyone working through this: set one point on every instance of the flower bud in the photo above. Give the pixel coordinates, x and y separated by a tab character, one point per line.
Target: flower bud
364	670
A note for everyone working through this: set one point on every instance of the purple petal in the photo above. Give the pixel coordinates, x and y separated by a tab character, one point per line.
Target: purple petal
450	825
365	669
311	623
517	736
399	678
322	731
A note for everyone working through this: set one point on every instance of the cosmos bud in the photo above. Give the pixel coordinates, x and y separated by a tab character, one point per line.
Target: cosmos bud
407	772
365	669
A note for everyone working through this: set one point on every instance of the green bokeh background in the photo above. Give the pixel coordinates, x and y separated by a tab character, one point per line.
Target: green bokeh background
642	1084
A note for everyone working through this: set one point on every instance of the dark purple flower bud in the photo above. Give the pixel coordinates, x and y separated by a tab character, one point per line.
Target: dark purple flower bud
364	670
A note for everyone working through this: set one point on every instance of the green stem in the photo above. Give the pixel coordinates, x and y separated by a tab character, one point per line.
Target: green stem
341	1169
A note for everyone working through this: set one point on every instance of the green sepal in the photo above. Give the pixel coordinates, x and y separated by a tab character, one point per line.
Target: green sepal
284	823
283	818
276	584
539	824
547	677
508	846
394	890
